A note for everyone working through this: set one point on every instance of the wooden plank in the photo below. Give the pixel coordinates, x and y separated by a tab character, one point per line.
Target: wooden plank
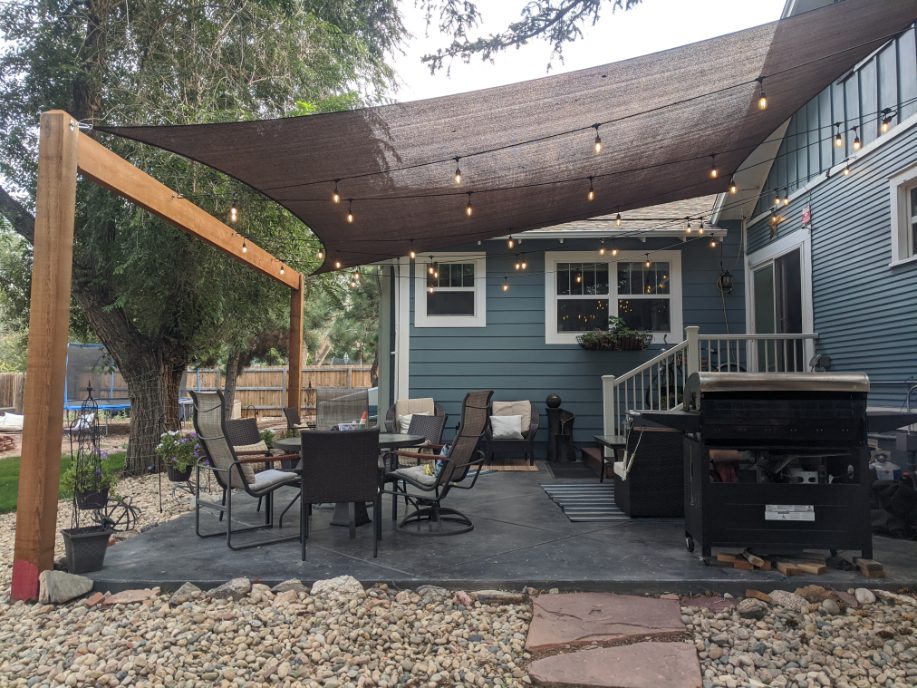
752	559
294	388
872	574
766	566
49	322
811	567
742	564
726	557
116	174
758	595
868	564
788	568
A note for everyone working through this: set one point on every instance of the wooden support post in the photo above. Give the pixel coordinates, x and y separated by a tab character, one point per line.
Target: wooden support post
294	384
49	323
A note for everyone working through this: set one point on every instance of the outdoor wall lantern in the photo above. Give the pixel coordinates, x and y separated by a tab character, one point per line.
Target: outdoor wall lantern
724	283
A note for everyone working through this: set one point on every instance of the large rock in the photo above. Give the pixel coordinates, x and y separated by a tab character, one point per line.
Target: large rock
788	600
235	589
340	588
585	618
752	608
57	587
183	594
864	596
129	597
291	584
643	665
434	592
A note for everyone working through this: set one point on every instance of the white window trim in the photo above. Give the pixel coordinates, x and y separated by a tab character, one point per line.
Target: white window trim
899	188
479	319
552	258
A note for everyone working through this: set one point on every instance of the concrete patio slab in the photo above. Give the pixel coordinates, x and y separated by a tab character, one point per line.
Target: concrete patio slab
586	618
642	665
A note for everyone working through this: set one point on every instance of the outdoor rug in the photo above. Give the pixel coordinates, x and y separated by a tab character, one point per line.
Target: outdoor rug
592	502
512	465
574	469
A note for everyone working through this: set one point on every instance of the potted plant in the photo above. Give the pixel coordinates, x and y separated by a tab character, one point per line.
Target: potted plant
179	453
597	340
619	336
267	436
89	485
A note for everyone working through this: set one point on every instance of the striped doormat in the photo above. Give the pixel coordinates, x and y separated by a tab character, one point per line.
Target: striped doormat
589	502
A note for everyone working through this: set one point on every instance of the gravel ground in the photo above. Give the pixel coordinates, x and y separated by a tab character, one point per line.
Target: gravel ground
870	646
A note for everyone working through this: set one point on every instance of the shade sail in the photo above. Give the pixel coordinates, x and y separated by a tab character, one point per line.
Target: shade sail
526	150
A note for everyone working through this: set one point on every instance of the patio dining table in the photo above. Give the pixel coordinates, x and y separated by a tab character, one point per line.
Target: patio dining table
388	442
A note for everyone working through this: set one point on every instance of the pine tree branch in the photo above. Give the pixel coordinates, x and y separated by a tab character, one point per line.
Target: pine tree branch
21	219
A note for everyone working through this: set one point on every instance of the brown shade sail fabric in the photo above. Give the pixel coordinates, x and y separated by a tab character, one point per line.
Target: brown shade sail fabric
526	151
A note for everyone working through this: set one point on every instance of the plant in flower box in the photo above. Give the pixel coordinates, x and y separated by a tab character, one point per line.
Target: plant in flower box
626	337
179	453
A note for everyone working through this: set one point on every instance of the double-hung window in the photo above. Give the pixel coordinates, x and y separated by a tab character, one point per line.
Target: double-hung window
904	216
450	290
581	293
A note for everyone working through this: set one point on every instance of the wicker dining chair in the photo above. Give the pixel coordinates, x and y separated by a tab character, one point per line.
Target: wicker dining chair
341	467
414	407
294	421
335	405
463	456
232	472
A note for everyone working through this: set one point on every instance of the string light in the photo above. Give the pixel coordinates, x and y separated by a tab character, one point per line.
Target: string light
350	210
524	264
353	284
510	243
733	188
233	210
602	248
337	264
430	269
430	289
776	197
856	140
713	243
244	247
700	227
773	216
846	167
614	249
320	255
762	99
579	277
838	139
458	172
886	119
336	197
647	260
591	194
412	254
518	264
356	274
689	226
786	196
281	268
468	207
598	139
714	173
618	217
505	284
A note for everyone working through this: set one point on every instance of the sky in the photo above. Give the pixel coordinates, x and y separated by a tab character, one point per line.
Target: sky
653	26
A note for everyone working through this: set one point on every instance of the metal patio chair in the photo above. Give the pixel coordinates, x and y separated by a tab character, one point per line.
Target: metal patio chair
452	470
294	421
525	446
232	472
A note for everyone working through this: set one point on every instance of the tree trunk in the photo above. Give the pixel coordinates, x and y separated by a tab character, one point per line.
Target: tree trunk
233	369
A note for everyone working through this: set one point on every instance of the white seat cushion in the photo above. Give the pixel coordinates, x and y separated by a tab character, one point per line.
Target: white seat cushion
404	422
271	477
515	408
418	474
619	470
506	427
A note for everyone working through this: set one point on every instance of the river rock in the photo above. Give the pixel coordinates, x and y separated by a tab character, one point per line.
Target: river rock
434	592
864	596
830	606
183	594
235	589
788	600
340	588
752	608
57	587
291	584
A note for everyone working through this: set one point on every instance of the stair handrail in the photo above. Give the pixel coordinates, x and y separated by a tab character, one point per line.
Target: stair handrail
667	353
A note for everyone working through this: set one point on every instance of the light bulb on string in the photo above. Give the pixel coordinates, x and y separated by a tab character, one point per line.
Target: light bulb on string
714	173
647	260
688	231
591	194
773	217
518	264
356	274
713	243
430	289
846	167
786	196
602	248
337	264
281	268
762	99
700	227
614	250
430	266
524	264
579	277
336	197
468	207
505	284
320	255
733	187
618	217
412	254
233	210
857	144
244	247
838	139
511	243
598	139
776	197
350	210
458	172
353	284
886	119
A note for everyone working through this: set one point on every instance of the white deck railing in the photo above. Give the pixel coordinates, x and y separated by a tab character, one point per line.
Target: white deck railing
658	383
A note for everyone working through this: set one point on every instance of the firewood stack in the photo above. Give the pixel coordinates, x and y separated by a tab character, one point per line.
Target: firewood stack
7	443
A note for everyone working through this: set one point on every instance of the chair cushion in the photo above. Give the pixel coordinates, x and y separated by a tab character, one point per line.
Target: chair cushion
257	446
515	408
506	427
417	474
404	422
619	470
271	477
408	407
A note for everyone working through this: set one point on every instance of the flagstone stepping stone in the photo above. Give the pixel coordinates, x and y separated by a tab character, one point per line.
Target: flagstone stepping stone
642	665
585	618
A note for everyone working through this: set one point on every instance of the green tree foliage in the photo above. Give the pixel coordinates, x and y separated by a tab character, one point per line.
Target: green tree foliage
156	298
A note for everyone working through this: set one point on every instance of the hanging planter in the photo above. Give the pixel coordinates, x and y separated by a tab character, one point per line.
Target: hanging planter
619	337
94	499
85	548
176	475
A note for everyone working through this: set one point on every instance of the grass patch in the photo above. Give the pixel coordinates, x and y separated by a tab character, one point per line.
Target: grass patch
9	477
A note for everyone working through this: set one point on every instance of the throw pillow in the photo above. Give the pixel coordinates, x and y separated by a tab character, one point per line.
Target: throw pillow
506	427
404	422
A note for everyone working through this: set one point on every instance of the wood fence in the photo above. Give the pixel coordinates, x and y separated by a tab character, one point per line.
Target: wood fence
12	390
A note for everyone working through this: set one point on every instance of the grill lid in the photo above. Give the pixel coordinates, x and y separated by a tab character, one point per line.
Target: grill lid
699	384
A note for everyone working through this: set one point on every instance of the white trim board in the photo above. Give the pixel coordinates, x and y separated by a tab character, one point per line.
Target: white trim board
402	329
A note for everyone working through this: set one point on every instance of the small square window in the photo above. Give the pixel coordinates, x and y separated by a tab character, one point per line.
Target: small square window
454	294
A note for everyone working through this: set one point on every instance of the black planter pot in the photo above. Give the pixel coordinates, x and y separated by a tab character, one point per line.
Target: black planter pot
86	547
92	500
177	476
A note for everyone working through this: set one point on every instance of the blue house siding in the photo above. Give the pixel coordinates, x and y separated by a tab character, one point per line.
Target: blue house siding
865	311
510	355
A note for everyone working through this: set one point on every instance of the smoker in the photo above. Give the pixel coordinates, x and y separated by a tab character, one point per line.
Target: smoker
778	462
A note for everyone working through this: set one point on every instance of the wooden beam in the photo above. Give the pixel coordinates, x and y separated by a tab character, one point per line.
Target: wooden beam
49	323
294	386
116	174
